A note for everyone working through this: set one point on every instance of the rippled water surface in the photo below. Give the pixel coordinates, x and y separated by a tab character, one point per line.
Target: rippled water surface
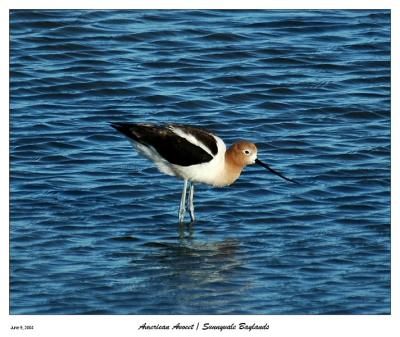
94	225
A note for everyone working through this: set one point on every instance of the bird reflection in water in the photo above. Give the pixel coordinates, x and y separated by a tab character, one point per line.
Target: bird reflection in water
209	264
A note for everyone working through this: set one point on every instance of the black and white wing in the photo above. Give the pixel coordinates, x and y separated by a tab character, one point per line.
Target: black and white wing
178	144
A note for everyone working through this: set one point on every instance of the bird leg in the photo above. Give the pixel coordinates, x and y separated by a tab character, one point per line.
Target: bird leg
182	207
190	201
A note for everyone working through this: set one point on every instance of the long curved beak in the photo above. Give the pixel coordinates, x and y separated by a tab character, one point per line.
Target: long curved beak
274	172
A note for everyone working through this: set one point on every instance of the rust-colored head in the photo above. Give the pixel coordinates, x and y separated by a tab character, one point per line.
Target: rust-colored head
242	153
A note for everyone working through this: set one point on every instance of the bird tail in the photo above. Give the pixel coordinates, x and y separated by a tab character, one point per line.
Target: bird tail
126	129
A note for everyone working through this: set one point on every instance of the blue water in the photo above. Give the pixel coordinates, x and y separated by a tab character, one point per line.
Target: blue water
94	225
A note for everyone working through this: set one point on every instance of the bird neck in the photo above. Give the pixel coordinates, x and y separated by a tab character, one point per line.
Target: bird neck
233	168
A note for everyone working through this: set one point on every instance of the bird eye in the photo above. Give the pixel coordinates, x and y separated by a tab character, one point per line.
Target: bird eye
246	152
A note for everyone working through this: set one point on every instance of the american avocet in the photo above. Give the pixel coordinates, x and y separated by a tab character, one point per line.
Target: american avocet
192	154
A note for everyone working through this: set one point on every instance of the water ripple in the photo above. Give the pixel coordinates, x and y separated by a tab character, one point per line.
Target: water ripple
94	225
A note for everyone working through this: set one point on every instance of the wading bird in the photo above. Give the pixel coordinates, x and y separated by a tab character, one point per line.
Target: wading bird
195	155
